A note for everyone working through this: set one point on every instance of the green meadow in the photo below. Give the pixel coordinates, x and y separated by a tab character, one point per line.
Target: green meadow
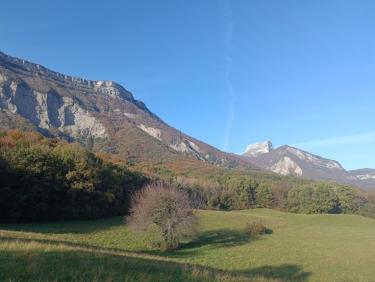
300	248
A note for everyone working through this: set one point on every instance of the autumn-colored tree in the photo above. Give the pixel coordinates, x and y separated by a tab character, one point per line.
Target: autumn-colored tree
166	213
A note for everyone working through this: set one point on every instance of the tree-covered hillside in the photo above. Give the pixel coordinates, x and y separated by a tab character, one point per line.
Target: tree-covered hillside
47	179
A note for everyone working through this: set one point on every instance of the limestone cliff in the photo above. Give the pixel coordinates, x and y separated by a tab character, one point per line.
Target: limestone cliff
102	114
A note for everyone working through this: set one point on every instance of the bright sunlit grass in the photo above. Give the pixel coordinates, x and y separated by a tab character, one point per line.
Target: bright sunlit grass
301	247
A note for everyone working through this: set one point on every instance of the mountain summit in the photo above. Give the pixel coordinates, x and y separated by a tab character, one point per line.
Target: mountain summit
287	160
257	149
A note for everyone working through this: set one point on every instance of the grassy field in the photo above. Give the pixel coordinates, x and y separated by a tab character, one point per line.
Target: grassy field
301	248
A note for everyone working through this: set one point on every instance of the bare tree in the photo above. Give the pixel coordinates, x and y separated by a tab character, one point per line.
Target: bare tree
164	211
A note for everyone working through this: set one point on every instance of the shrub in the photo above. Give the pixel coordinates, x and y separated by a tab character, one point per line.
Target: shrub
256	228
164	212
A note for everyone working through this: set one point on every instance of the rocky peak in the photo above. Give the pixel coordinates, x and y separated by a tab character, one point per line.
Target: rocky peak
113	89
257	149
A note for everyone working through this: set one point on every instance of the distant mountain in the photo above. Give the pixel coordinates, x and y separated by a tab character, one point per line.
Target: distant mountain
286	160
366	175
101	114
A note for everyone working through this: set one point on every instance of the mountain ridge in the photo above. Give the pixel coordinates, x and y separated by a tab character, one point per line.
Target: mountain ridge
105	116
101	114
288	160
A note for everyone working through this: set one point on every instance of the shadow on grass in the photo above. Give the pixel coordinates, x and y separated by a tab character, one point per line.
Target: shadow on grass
221	238
78	265
285	272
60	227
87	263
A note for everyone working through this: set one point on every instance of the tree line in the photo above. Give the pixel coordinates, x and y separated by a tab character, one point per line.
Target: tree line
242	192
49	179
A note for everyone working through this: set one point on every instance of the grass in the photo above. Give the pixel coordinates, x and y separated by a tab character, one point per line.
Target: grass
34	261
300	248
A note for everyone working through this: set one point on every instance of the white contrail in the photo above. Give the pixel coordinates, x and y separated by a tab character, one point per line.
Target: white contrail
228	71
368	137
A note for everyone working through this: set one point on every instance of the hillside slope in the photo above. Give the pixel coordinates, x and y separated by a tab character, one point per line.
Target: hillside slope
100	114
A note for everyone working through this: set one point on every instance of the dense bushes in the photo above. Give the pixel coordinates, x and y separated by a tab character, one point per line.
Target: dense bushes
256	228
243	192
313	199
43	179
231	193
325	198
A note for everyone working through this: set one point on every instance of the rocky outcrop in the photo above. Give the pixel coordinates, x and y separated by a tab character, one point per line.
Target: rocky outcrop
286	166
49	110
154	132
257	149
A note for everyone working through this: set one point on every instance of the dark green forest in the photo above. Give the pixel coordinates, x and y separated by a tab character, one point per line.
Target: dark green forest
47	179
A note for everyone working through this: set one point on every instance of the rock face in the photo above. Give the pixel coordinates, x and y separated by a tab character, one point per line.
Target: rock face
288	160
102	114
44	98
286	166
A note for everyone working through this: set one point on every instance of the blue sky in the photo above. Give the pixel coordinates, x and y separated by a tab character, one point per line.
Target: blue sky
227	72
